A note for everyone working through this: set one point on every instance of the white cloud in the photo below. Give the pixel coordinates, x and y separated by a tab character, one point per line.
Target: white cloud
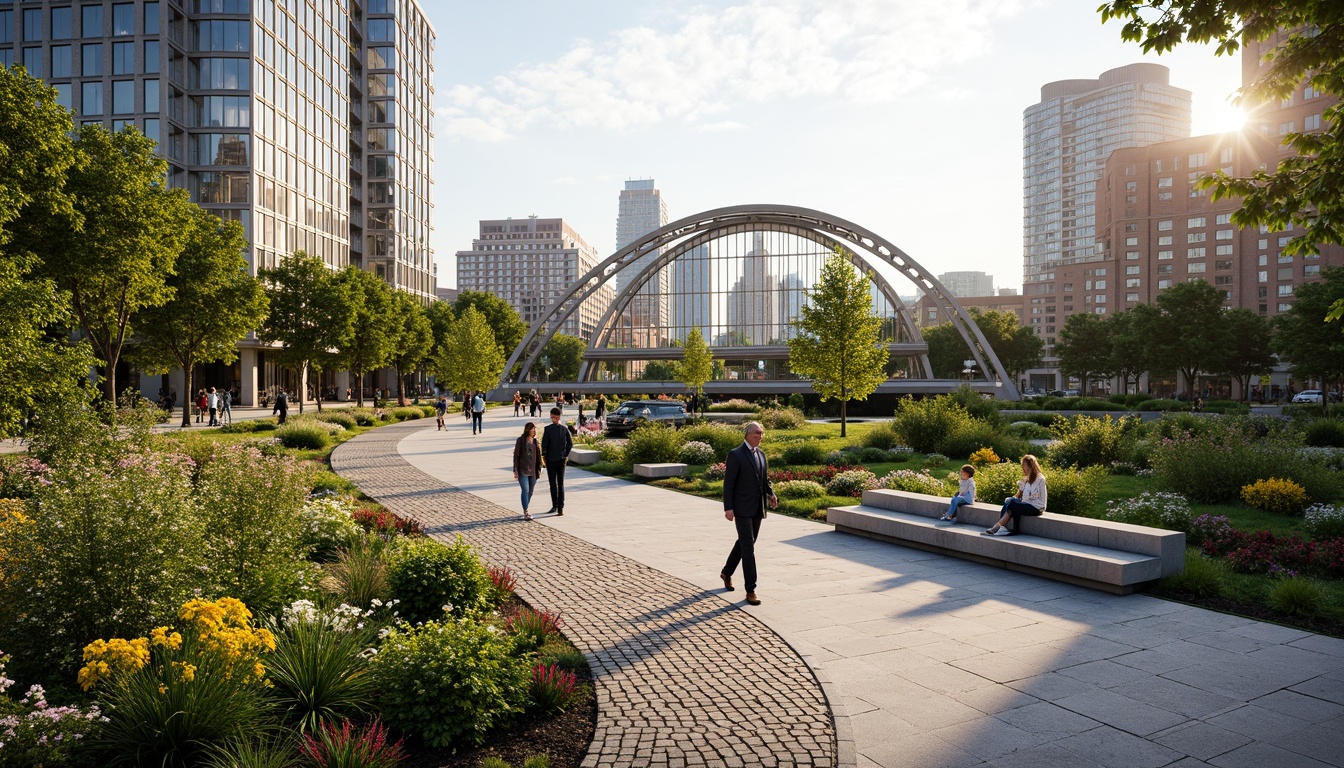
863	52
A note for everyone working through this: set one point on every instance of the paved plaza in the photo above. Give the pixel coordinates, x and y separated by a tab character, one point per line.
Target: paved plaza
863	653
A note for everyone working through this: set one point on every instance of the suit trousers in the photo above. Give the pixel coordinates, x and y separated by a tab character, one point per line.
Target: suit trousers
555	475
744	549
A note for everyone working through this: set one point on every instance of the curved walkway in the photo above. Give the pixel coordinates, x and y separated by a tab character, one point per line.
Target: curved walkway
682	677
930	661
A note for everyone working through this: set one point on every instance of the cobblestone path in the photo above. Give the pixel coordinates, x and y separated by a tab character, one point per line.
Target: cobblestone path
683	678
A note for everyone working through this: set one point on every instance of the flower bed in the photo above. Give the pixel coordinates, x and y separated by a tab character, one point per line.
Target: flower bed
1266	553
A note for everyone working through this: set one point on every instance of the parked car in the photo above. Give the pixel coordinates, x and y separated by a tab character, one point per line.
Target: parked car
1313	396
633	413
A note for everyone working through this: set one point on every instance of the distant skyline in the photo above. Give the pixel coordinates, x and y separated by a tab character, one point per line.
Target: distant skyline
903	117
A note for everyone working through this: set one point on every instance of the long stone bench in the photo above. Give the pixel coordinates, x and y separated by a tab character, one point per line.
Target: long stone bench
1104	555
584	456
660	470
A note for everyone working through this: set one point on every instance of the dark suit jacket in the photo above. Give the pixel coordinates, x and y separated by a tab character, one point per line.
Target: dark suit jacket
745	489
556	443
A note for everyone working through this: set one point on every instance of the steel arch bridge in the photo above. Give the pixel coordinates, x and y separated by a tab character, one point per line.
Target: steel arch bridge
641	263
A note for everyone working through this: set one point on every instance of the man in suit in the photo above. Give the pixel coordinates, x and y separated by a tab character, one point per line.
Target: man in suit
556	444
746	492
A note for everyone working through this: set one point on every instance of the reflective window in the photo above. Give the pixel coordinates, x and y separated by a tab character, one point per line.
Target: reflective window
221	74
218	149
61	24
382	57
221	35
151	56
123	58
220	6
123	97
32	24
91	59
63	91
91	21
91	99
151	18
60	61
381	30
123	19
6	27
32	61
223	111
218	186
151	95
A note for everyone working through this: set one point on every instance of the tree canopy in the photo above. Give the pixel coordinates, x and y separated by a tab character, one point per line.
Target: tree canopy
1302	337
374	326
214	303
838	345
1194	333
469	357
564	354
697	363
1084	347
415	339
503	320
1017	346
1251	352
311	313
1306	190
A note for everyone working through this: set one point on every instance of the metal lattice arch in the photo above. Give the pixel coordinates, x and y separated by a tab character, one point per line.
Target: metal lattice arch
639	266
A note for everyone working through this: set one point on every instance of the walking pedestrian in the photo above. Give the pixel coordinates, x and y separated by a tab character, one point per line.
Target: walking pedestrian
746	492
440	410
281	406
201	404
556	443
466	405
517	403
477	414
582	421
226	406
212	402
600	413
527	464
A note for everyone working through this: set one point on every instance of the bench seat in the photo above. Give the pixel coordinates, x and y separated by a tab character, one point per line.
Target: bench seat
660	470
584	456
1105	555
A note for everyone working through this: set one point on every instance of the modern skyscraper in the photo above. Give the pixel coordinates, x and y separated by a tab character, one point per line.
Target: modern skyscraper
643	210
753	301
1066	140
529	263
968	283
308	123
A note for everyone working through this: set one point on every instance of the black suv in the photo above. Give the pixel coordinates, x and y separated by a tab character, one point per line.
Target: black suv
633	413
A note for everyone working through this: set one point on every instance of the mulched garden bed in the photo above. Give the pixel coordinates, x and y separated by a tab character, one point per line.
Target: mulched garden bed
1324	626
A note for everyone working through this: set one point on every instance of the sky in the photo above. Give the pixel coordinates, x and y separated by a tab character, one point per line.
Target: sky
904	117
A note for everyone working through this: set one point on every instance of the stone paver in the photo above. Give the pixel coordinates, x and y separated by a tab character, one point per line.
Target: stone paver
681	677
930	661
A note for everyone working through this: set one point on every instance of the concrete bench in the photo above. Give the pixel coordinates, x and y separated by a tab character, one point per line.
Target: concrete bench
1112	557
584	456
659	470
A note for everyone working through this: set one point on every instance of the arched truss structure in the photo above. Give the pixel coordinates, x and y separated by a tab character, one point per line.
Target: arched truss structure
662	247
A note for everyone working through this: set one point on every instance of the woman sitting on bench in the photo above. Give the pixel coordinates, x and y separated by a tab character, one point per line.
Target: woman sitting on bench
1029	501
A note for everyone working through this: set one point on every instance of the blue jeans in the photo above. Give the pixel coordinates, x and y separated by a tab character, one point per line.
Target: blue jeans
527	483
957	501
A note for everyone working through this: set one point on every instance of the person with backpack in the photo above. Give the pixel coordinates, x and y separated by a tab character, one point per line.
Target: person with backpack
441	409
477	414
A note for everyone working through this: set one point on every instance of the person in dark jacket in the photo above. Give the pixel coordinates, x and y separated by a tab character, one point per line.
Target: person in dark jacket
527	464
281	406
556	443
746	492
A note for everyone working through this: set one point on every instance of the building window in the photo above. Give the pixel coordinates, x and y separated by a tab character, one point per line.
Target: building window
1222	266
32	25
1164	269
1286	289
62	26
1197	221
1194	253
381	30
123	58
1223	218
1262	276
152	128
1163	196
123	97
1163	255
1131	241
1163	226
1133	282
63	95
1132	255
1194	267
218	35
1311	123
91	20
152	95
91	99
1164	240
1286	127
32	61
221	74
91	60
151	57
1131	297
1134	270
1197	160
151	12
1165	181
1196	237
1223	280
123	19
1162	284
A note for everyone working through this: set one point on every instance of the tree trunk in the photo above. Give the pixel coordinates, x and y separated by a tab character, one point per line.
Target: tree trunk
318	390
844	411
186	400
359	387
401	388
110	383
303	381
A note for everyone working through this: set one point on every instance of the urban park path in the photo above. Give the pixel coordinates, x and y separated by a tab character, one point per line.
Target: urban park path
863	653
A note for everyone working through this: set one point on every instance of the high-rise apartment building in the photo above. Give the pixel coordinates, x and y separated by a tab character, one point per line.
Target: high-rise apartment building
530	263
1066	140
968	283
643	210
307	122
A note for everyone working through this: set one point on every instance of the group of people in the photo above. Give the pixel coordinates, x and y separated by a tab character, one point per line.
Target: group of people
217	405
1029	501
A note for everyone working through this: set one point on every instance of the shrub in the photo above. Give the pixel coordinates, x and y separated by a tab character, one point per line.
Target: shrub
262	751
1298	596
735	405
38	734
996	482
1203	575
782	418
611	452
311	420
1039	419
696	452
1209	528
654	443
1089	442
1325	521
326	481
924	424
1325	433
1275	495
804	452
255	529
364	417
449	681
1027	430
348	747
972	436
427	411
1173	425
1072	491
883	435
1162	405
504	581
984	456
1155	510
319	669
306	437
428	578
359	575
799	489
1331	458
933	460
345	419
837	459
868	455
716	471
913	482
406	413
723	437
900	453
1226	406
249	426
387	523
327	526
553	689
563	656
531	629
851	482
1210	468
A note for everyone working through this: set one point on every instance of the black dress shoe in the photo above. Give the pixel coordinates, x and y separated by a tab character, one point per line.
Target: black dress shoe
752	599
727	581
560	511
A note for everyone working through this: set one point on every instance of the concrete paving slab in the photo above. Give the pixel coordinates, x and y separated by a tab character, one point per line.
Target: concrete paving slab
1202	740
1116	749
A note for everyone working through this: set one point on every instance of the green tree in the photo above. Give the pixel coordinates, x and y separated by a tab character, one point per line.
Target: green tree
697	364
311	313
1132	333
947	350
1306	190
1251	352
469	357
215	302
507	324
115	250
1017	346
35	161
564	355
838	345
375	326
1315	350
1084	348
659	370
415	339
1194	333
441	317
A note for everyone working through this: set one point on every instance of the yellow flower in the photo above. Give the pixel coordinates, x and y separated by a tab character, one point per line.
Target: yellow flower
161	637
103	658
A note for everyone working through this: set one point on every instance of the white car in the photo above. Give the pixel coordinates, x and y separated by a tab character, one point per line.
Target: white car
1312	396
